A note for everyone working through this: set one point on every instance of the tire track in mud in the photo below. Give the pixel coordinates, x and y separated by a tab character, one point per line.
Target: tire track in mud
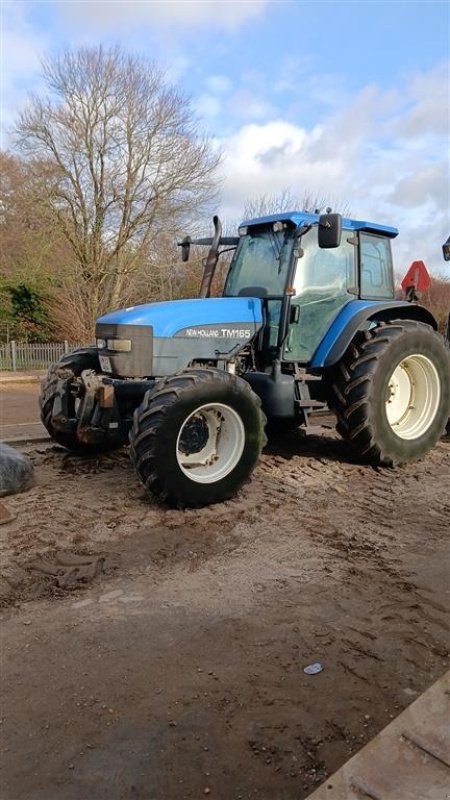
357	514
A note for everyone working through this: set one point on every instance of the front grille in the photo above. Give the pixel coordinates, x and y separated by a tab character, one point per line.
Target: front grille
138	363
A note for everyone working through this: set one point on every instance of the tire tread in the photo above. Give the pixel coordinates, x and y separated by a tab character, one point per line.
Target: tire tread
153	411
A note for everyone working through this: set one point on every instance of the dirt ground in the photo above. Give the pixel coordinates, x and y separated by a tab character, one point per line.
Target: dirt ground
169	664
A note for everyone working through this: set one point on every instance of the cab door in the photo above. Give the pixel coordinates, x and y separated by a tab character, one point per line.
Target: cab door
325	281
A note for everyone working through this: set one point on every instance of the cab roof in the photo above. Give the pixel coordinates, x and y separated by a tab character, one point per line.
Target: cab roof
303	217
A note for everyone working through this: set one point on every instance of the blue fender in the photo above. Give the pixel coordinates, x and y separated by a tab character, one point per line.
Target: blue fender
354	317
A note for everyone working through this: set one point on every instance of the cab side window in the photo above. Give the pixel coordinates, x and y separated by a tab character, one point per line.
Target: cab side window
323	282
376	267
324	272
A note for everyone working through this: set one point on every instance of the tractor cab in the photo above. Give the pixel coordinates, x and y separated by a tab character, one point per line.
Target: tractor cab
310	267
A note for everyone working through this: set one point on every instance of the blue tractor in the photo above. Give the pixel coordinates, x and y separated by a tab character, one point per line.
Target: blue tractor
307	321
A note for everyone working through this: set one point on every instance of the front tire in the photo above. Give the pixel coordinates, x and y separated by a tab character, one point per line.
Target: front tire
197	437
392	392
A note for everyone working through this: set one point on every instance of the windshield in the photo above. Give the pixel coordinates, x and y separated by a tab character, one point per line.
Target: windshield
261	261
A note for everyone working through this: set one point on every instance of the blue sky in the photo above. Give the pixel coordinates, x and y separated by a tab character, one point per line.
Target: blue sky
345	99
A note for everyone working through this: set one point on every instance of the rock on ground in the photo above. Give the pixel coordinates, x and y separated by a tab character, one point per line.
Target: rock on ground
16	471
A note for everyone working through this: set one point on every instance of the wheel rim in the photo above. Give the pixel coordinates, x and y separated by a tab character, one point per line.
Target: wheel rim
413	396
210	443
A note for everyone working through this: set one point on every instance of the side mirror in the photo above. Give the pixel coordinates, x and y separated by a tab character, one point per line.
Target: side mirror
185	248
330	230
446	250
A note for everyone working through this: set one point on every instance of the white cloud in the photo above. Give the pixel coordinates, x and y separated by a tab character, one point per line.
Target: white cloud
423	115
248	153
131	14
242	101
429	184
400	179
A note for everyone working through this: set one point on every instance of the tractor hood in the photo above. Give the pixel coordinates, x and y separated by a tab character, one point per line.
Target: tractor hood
160	339
211	317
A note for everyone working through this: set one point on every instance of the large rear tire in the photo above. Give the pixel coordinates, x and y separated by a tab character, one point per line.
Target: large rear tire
392	392
197	437
71	366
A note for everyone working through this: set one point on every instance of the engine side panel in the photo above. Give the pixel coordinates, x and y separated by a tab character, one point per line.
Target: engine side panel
200	343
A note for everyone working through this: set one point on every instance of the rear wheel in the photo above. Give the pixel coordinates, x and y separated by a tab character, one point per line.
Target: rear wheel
197	437
69	367
392	392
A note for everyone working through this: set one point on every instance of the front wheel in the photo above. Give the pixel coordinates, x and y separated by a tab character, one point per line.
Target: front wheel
392	392
196	437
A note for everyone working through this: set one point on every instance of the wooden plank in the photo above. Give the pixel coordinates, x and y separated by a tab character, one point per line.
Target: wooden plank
408	760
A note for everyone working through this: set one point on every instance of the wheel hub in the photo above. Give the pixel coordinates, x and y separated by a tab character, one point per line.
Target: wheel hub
210	443
194	436
400	393
413	396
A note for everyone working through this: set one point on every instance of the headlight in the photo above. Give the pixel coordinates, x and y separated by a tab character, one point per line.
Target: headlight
119	345
101	344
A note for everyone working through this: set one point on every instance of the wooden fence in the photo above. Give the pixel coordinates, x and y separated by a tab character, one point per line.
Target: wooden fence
20	356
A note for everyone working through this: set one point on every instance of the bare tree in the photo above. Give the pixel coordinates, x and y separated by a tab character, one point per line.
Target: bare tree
125	162
29	242
286	200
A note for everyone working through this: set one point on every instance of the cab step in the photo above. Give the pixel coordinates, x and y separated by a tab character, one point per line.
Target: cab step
308	430
304	377
310	403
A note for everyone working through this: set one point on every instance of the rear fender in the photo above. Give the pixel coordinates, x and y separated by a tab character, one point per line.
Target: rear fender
358	315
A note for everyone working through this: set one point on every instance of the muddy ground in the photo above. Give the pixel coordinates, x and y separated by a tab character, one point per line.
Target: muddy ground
170	663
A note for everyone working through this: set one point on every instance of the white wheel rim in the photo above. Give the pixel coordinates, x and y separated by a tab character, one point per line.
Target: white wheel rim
413	397
210	443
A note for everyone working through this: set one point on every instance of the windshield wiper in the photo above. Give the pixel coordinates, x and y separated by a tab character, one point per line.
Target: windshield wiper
277	248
